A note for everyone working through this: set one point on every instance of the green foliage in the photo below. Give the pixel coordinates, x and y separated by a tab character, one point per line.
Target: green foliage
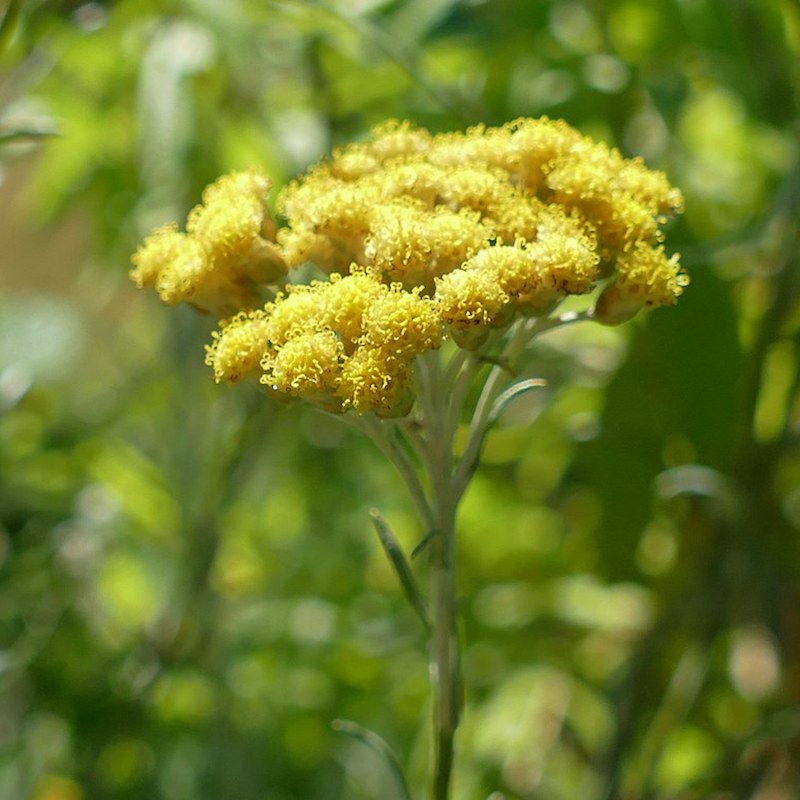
190	586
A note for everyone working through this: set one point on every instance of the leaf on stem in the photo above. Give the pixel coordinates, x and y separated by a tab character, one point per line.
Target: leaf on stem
378	746
420	546
482	423
401	566
510	394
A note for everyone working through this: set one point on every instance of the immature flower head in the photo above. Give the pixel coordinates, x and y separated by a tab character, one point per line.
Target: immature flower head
347	300
415	237
412	244
171	262
393	138
294	313
652	276
232	216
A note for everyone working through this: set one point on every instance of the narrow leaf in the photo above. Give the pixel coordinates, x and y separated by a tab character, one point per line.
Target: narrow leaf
469	460
401	566
378	746
510	394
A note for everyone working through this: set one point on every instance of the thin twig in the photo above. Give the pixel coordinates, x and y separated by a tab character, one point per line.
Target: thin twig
384	435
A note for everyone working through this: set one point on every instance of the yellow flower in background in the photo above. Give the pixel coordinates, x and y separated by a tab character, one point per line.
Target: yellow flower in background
415	238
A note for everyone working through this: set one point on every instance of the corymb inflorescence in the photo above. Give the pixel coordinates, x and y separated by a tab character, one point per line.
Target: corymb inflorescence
416	239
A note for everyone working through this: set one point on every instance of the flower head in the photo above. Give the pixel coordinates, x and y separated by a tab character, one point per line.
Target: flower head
417	237
469	301
306	366
238	348
646	277
373	379
224	257
403	323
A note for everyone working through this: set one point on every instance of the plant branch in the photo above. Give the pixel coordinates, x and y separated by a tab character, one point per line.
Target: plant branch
385	437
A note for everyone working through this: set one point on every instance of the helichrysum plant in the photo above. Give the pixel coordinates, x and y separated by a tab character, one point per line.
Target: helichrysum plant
435	262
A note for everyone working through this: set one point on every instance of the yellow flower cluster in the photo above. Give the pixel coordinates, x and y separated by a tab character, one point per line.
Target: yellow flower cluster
343	343
421	237
226	254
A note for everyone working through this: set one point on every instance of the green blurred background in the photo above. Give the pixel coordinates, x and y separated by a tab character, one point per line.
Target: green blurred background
190	591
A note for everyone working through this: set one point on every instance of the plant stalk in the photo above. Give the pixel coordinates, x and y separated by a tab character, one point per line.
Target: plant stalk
444	658
443	394
444	498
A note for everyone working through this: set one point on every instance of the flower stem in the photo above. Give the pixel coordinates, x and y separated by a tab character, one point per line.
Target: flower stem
444	659
443	394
